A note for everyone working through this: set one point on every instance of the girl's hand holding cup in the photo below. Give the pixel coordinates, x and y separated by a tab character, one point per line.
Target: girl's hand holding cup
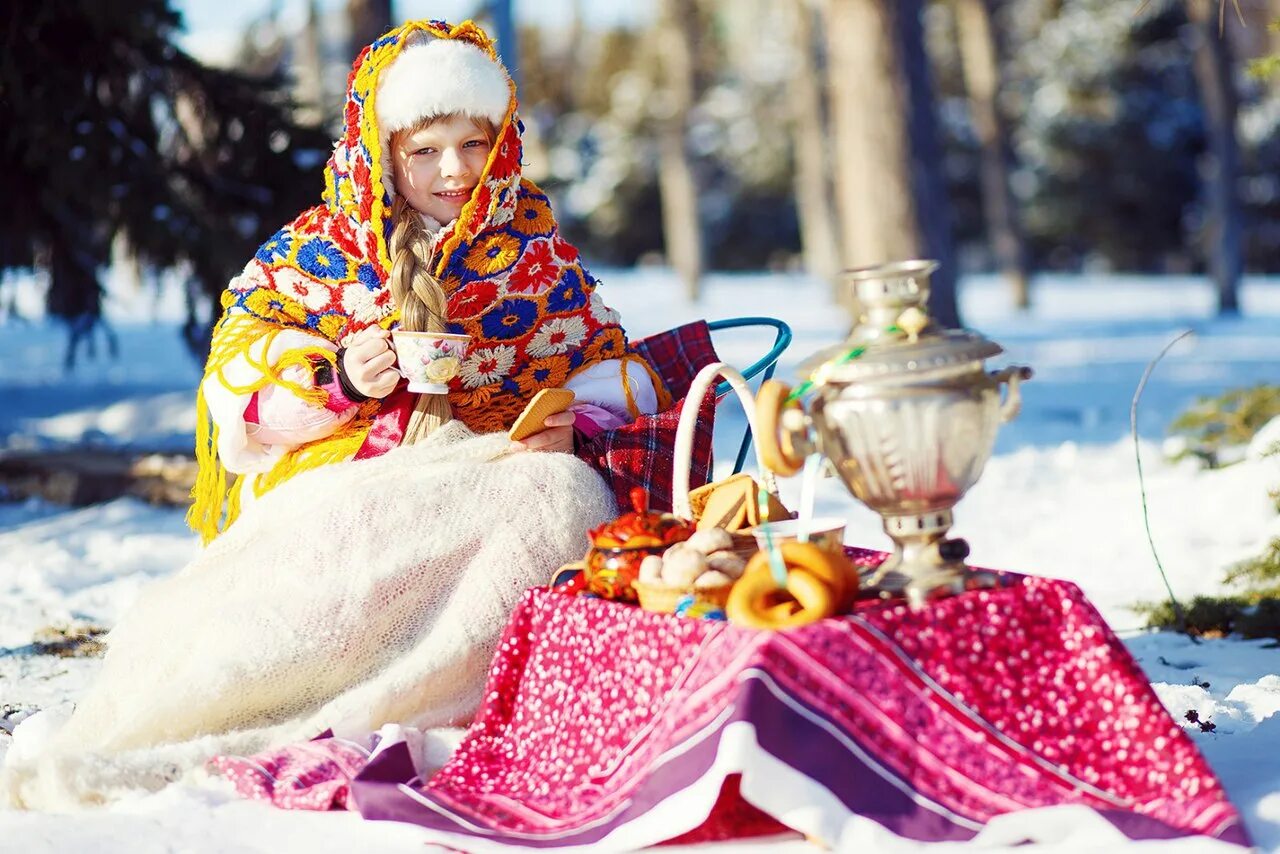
369	361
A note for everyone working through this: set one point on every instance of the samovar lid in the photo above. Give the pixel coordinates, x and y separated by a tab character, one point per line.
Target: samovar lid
887	358
895	338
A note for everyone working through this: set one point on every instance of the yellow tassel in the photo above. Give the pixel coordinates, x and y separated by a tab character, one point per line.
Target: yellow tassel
233	500
214	507
340	446
204	515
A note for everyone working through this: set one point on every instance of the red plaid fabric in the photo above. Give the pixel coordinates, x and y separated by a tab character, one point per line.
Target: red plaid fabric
642	453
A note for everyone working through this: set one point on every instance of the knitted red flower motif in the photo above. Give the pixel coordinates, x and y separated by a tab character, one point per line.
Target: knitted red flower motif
508	154
361	174
369	239
351	116
536	271
565	251
342	234
483	199
472	300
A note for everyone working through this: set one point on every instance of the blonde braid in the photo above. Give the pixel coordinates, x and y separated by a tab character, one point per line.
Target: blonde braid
423	306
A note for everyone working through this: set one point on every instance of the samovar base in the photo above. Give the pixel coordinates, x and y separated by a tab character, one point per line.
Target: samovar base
925	564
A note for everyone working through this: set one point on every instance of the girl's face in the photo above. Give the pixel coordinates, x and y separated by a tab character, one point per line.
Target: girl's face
437	166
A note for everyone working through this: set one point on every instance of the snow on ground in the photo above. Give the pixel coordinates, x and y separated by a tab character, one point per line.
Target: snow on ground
1060	497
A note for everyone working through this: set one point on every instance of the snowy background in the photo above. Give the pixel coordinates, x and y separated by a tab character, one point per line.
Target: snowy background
1060	497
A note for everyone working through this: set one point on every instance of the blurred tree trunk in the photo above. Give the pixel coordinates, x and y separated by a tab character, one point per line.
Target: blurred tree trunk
928	184
1272	12
890	190
309	70
980	63
504	30
1223	227
819	231
573	80
681	223
366	21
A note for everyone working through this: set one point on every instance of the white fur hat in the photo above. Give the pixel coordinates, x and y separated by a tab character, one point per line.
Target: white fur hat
437	76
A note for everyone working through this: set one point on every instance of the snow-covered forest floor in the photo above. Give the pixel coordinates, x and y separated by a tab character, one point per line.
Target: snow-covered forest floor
1059	498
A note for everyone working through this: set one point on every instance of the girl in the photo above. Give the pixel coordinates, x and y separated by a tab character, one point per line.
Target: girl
367	592
428	224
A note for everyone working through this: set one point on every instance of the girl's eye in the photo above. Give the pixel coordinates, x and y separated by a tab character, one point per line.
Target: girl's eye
425	151
474	143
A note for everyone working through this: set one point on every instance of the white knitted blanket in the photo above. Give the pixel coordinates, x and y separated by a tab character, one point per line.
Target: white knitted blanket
351	596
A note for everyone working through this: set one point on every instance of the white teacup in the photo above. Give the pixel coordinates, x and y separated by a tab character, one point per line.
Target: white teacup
428	360
827	533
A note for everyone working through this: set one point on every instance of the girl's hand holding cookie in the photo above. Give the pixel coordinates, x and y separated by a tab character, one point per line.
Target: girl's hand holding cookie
557	435
369	363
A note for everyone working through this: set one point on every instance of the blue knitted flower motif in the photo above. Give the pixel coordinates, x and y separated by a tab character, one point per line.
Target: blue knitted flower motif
276	247
509	319
368	276
568	294
322	259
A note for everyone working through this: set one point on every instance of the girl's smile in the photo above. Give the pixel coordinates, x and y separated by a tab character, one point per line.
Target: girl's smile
458	197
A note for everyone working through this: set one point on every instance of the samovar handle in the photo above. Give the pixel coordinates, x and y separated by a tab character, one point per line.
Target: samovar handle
1011	376
782	446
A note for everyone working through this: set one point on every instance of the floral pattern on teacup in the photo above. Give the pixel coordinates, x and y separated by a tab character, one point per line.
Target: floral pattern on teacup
429	361
442	369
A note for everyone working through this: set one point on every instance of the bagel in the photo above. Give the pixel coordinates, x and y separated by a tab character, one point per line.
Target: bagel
819	584
777	448
832	569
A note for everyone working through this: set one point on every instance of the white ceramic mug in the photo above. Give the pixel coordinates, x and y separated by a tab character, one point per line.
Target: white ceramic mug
827	533
428	360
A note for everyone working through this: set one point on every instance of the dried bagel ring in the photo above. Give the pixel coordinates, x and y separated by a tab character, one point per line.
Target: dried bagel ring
833	568
815	581
813	600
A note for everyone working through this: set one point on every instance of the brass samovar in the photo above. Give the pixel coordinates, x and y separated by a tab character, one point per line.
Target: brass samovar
907	415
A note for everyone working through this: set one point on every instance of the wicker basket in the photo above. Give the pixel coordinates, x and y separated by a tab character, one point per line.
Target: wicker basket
664	599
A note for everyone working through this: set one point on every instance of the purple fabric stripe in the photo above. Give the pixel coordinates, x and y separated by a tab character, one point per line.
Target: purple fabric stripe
816	753
1137	826
781	731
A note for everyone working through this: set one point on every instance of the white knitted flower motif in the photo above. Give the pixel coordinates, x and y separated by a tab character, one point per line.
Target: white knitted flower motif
600	312
360	303
505	211
486	365
557	335
249	279
316	296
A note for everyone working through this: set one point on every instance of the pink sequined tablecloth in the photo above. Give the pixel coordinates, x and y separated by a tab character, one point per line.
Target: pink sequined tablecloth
607	726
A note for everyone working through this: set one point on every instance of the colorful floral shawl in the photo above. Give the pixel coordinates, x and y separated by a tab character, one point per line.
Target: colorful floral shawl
513	283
